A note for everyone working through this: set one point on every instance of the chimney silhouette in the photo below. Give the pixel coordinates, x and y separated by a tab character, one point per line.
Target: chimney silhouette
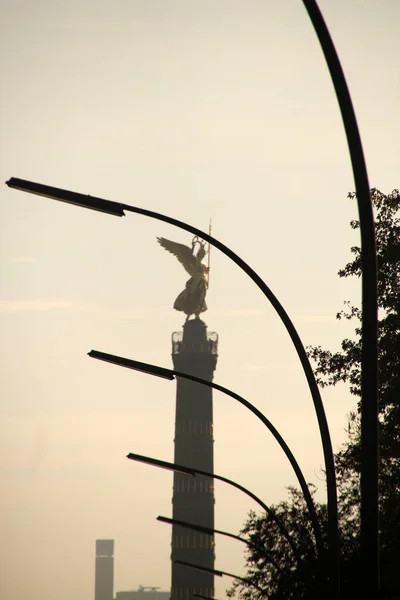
104	575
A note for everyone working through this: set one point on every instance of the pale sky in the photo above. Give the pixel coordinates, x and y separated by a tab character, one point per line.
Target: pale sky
199	109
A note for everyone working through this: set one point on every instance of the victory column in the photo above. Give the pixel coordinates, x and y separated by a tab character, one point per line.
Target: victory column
194	351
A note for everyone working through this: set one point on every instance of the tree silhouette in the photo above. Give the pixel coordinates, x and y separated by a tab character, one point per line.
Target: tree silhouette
269	562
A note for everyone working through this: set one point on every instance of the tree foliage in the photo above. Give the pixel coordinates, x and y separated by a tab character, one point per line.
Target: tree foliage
270	563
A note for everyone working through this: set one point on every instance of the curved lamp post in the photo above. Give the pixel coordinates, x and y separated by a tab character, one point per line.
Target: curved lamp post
163	464
172	374
369	530
118	209
202	528
210	531
220	574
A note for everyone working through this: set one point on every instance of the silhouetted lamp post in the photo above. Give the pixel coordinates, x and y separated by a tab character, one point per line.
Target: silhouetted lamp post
209	531
118	209
220	574
369	529
155	462
202	529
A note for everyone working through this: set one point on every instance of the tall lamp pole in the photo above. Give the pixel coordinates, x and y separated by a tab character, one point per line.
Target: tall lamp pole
118	209
209	531
202	529
221	573
369	530
163	464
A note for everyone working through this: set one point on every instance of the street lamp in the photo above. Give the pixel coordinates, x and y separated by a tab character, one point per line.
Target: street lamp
116	208
220	574
210	531
171	374
83	200
333	535
369	528
202	528
163	464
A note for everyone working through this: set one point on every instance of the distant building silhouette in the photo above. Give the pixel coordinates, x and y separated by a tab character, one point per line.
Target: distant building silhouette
104	578
104	571
143	593
194	351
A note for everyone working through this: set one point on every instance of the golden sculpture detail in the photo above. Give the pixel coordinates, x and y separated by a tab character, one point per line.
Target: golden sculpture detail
192	300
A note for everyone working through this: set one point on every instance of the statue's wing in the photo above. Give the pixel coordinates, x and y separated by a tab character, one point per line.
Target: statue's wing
183	254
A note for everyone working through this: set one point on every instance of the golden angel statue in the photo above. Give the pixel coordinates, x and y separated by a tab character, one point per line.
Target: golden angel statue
192	300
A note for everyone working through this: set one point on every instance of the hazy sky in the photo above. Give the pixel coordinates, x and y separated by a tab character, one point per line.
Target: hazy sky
199	109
